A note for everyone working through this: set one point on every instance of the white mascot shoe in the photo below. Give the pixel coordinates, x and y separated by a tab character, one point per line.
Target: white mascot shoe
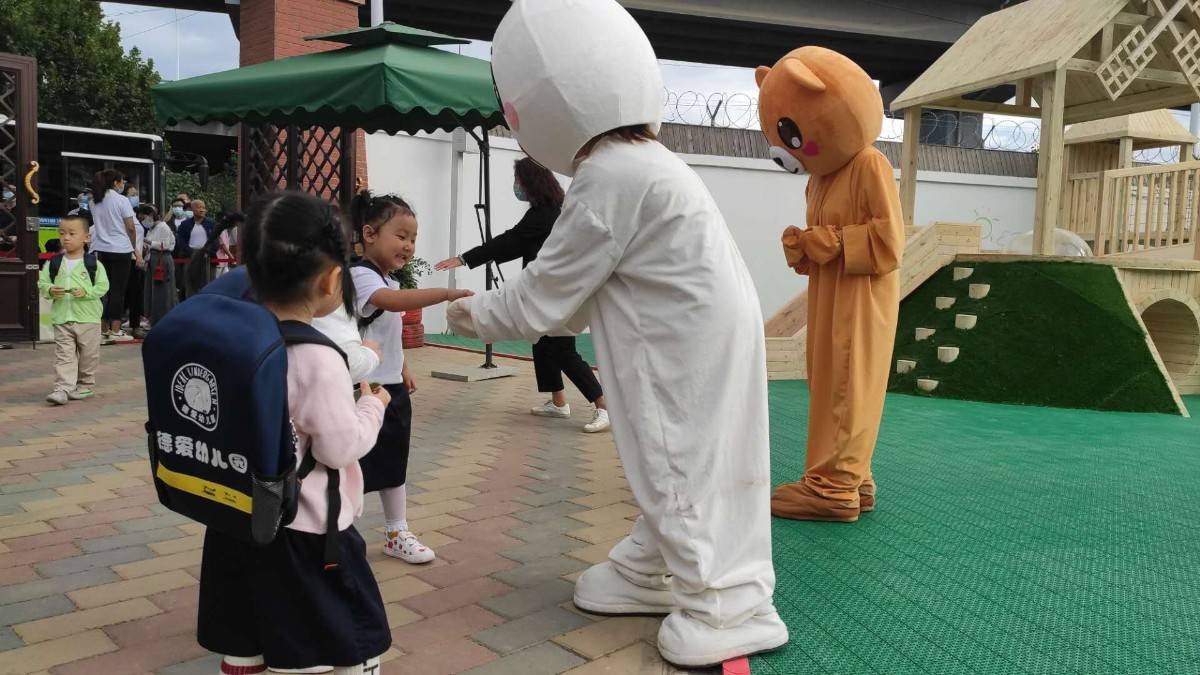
602	590
689	642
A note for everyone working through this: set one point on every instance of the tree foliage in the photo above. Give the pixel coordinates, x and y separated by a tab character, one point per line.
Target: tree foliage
85	77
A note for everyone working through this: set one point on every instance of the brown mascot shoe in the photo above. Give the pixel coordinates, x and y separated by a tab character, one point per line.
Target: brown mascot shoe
798	501
866	496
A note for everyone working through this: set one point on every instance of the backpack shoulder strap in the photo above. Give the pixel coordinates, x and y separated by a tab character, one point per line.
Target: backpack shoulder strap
55	266
89	263
364	321
299	333
296	333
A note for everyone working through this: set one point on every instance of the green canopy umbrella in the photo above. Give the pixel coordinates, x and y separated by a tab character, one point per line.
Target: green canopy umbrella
389	78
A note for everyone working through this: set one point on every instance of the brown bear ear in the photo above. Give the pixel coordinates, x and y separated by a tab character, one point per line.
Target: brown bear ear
760	74
802	75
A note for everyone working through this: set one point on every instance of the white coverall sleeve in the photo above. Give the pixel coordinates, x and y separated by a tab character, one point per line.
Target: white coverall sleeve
554	292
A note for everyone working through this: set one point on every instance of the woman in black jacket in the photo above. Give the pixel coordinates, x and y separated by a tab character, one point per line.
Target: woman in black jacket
552	356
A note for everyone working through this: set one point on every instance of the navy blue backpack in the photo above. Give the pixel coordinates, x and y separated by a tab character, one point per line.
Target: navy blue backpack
221	442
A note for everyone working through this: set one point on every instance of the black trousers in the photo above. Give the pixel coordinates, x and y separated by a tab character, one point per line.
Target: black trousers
135	294
554	356
119	267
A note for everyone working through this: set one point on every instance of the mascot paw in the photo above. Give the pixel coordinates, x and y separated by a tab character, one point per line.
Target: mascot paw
458	316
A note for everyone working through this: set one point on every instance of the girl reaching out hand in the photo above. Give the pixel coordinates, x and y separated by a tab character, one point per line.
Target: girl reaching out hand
388	229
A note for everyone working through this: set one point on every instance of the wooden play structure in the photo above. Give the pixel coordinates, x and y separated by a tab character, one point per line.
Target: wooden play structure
1099	74
1160	208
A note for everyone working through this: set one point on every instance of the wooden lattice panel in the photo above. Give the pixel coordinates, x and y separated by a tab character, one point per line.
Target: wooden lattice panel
8	132
1187	55
265	159
1126	62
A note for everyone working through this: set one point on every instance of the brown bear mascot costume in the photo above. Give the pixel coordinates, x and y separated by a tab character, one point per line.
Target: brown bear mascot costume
821	113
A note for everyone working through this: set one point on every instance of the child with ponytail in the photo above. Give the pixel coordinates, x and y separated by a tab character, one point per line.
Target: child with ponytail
387	226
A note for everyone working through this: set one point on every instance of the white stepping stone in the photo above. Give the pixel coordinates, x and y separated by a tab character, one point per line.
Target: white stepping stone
961	273
965	321
904	366
947	354
979	291
927	385
925	333
943	302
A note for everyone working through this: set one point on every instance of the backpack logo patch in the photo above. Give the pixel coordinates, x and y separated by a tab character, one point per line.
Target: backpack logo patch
194	393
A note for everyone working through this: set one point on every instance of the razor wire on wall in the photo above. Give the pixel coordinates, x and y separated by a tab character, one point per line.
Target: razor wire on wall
938	127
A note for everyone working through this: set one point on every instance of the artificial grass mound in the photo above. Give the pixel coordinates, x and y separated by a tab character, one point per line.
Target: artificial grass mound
583	344
1049	334
1006	539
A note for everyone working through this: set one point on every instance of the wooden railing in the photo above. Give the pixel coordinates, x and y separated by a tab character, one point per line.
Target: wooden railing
1146	208
1081	203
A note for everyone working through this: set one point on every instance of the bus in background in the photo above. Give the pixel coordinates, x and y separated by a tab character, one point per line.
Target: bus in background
71	156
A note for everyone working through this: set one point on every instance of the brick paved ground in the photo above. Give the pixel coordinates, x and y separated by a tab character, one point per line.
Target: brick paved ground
97	577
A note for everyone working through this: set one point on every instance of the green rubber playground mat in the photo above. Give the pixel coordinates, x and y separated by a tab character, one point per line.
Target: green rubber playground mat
583	344
1007	539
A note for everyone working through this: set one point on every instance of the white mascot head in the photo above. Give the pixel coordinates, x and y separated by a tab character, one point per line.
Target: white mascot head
569	70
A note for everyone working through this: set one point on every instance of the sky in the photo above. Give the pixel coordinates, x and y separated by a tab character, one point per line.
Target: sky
185	44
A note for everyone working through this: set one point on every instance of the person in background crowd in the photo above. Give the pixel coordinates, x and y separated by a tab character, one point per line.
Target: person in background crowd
185	198
115	241
187	237
135	291
554	356
159	291
8	218
193	233
210	259
174	219
221	252
83	202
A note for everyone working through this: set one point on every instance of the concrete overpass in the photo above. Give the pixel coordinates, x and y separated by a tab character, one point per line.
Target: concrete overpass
894	40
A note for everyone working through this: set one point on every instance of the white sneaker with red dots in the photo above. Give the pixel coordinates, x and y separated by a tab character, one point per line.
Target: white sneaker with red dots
405	546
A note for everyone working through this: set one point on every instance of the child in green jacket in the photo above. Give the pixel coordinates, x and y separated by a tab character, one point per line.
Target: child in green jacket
75	282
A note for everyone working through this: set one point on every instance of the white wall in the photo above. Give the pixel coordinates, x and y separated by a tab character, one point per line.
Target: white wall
757	198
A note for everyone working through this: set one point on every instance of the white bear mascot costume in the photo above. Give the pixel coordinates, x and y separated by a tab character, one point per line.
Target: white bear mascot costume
642	254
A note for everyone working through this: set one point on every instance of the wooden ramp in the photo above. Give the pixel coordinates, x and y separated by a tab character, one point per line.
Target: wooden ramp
928	249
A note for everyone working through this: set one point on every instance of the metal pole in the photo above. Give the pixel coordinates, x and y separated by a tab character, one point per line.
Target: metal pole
376	12
485	163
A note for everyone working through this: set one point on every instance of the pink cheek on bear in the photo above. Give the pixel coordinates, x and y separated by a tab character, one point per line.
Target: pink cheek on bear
810	149
514	120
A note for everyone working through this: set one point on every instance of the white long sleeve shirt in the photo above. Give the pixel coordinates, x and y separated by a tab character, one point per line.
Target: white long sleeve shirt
343	330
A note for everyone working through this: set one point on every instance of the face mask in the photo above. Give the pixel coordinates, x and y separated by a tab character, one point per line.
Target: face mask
188	214
178	211
7	195
134	201
519	193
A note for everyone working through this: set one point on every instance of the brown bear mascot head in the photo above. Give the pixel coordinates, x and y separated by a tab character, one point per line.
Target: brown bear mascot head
818	109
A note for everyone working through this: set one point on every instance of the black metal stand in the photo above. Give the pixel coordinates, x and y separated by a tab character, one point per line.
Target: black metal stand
485	205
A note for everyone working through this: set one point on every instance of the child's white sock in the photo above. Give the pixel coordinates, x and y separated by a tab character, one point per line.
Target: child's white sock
395	508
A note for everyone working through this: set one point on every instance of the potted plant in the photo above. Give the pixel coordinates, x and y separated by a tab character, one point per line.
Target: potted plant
407	277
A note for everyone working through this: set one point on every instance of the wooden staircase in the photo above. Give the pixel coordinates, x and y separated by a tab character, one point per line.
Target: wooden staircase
928	249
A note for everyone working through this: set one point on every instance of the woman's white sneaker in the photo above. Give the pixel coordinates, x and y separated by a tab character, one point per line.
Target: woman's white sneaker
405	546
599	422
548	409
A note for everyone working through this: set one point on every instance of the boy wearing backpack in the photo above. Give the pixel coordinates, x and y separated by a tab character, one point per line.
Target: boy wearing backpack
75	282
